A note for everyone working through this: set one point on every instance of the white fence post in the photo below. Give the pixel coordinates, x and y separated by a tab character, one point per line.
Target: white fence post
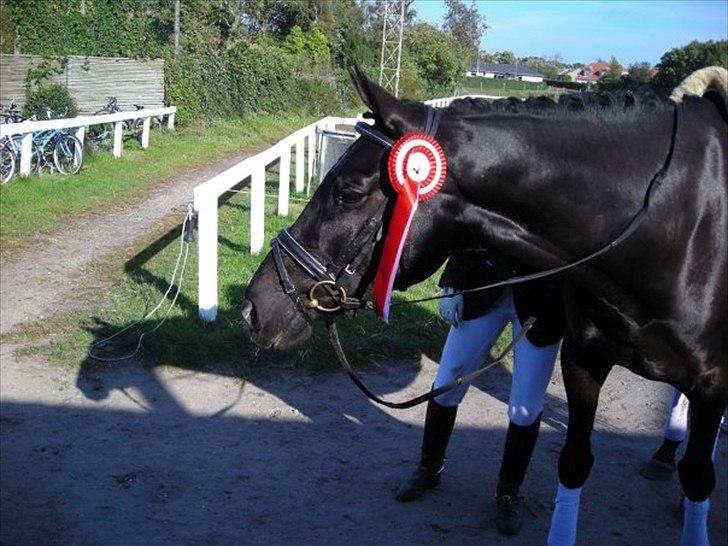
118	134
257	209
170	121
311	154
81	134
300	182
26	151
146	125
207	257
284	181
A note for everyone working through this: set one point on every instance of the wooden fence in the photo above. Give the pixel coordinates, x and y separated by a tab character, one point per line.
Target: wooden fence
90	80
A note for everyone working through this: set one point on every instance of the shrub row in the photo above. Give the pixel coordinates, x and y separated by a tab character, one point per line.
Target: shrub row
249	78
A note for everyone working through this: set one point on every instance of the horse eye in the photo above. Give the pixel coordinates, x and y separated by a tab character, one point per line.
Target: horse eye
351	195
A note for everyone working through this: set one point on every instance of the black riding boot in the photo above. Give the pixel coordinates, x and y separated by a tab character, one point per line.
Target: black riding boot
439	423
520	442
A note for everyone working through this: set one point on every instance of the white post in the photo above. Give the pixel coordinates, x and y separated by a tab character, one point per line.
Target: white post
284	180
118	134
81	134
170	121
207	257
26	151
146	125
257	209
311	154
300	182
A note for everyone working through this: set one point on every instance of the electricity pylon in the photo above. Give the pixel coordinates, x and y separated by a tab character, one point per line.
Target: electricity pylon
393	19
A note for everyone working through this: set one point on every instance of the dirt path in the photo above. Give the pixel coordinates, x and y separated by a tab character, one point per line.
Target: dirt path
36	280
135	455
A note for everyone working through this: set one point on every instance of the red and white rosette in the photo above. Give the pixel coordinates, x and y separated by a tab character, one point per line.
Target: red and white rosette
417	170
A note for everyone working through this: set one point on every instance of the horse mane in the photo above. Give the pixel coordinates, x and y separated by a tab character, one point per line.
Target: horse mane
613	103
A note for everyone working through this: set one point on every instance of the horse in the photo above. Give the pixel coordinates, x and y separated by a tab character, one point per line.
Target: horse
544	188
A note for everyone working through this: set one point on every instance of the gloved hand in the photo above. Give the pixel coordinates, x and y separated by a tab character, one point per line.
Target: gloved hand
451	308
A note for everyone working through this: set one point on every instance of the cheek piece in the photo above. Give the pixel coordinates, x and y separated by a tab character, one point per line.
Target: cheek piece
417	168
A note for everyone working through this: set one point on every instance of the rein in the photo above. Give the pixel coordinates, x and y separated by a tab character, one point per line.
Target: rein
350	258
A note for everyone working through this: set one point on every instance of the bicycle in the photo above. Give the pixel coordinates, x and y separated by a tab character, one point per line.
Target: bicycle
103	131
7	163
57	148
11	145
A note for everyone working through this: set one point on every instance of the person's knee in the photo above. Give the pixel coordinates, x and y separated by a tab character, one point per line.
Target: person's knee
524	415
451	398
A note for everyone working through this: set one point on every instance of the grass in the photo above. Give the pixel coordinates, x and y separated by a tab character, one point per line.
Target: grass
506	88
41	204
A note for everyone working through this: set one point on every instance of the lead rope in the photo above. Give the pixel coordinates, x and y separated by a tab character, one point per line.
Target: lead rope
183	250
457	382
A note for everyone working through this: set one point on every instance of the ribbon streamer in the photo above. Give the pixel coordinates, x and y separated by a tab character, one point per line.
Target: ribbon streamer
417	170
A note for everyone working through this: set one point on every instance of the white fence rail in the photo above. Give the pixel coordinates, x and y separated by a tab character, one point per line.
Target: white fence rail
206	197
207	194
80	124
445	102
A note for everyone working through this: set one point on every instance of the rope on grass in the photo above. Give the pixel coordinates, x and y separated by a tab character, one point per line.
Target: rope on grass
183	250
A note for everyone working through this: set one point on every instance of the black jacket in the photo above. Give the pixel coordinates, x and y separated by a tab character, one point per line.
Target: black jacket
540	299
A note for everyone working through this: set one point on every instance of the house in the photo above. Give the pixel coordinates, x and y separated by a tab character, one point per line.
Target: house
505	71
590	73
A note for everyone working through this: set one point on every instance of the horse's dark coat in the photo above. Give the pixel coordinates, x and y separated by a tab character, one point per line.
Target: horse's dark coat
544	184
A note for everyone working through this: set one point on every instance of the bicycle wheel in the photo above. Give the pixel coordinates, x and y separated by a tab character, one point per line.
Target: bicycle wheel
101	131
36	159
68	154
7	164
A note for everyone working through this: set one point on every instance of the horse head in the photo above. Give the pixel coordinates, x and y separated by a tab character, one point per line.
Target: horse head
337	238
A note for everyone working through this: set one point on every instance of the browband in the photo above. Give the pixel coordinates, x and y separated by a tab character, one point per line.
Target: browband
432	122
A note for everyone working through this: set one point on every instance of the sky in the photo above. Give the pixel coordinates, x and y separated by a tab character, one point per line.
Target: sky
582	31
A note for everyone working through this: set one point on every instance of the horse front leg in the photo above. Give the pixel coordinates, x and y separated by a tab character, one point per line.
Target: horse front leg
576	459
696	471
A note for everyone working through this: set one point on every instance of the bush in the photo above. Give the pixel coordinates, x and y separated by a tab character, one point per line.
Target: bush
678	63
55	96
179	91
316	96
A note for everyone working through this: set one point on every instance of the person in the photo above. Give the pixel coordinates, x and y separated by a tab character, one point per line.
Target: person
477	320
661	466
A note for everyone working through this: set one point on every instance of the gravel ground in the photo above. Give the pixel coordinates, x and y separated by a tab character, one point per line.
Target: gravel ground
129	454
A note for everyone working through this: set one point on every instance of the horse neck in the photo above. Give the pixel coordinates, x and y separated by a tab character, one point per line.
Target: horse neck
552	188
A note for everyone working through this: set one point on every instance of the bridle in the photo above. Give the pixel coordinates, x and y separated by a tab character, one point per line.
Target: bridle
329	277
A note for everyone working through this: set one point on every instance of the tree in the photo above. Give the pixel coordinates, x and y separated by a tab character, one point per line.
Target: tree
176	28
436	57
639	74
505	57
548	67
466	25
678	63
295	42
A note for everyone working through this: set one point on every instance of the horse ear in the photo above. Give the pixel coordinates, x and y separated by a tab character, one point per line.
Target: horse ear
394	114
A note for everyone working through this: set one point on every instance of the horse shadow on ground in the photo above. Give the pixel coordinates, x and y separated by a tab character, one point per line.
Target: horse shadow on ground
169	457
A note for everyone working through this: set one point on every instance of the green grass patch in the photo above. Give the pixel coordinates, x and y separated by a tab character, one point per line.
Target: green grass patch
505	88
40	204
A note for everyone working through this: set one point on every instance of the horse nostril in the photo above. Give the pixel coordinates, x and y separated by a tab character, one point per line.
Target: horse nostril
249	314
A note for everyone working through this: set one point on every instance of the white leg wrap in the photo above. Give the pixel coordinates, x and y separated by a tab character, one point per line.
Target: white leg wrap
695	523
565	518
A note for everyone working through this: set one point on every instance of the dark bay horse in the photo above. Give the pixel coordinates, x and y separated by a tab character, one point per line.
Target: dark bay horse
544	187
